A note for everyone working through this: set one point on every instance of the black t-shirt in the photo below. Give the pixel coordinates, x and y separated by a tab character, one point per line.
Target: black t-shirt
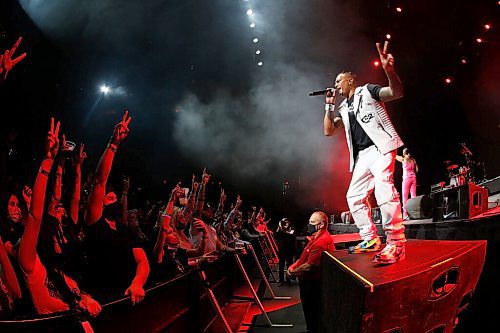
360	139
110	260
11	231
174	262
286	242
59	244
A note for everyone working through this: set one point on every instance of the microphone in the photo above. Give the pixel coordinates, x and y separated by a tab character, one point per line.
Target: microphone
320	92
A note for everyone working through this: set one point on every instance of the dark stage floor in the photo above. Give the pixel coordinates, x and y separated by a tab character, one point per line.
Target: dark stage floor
279	311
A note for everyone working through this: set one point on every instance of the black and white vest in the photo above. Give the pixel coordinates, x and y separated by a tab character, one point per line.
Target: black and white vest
373	118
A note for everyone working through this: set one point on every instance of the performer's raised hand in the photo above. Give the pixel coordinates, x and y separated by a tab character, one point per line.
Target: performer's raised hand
386	59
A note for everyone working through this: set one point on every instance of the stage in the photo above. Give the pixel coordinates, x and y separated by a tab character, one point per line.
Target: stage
484	309
484	226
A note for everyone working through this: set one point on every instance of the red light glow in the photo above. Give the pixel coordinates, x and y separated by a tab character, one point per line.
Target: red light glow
487	26
388	36
463	61
376	63
447	80
399	9
479	40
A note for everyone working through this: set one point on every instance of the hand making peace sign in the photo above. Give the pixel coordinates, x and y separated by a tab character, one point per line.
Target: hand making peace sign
52	141
386	59
6	61
121	129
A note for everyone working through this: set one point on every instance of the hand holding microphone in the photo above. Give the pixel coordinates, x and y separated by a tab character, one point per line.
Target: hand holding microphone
329	92
330	96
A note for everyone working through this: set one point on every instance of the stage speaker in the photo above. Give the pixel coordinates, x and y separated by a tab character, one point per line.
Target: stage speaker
461	202
424	293
419	207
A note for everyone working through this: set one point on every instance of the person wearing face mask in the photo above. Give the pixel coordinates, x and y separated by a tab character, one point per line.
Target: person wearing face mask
308	268
11	218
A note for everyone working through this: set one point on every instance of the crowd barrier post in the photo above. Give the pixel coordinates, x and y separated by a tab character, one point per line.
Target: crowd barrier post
255	297
273	242
274	251
271	292
266	259
213	300
272	257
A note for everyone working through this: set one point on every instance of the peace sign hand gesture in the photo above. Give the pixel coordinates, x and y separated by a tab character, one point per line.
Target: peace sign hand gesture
52	141
386	59
81	155
6	61
121	129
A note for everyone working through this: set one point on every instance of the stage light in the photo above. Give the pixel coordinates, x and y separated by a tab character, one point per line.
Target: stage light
255	40
487	26
399	9
105	89
249	12
376	63
479	40
447	80
257	52
259	63
463	61
388	36
252	25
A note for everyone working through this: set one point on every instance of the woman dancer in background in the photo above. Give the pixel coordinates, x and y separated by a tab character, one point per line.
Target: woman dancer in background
410	169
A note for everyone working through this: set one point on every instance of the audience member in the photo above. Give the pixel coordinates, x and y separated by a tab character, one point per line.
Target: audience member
117	265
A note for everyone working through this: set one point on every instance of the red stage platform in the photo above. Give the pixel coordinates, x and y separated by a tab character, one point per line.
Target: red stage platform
424	292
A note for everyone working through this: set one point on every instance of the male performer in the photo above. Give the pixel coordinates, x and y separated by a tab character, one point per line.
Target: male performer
372	142
307	268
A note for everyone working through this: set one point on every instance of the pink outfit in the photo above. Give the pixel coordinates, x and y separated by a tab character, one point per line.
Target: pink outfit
409	184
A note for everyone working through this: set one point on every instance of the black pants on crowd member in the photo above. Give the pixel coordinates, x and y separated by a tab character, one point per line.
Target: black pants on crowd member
310	297
284	258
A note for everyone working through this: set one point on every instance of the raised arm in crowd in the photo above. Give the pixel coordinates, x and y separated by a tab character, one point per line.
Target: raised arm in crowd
63	292
123	266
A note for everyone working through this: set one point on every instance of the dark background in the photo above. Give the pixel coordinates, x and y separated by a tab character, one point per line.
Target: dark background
187	72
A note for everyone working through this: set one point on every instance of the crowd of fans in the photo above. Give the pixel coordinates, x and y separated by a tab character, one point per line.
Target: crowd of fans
78	252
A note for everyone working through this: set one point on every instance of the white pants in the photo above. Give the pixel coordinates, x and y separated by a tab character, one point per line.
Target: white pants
374	171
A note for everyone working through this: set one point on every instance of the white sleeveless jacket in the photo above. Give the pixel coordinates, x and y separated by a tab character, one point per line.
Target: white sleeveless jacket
373	118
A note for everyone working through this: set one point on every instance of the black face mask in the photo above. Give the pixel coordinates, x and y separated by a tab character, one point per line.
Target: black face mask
113	212
311	229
